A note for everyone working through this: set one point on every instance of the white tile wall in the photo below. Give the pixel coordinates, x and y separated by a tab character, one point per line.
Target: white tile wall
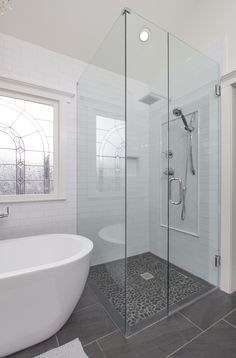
194	254
33	64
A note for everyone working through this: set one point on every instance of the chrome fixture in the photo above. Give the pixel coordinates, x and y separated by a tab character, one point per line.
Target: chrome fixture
5	215
217	260
189	128
150	98
189	155
218	90
178	113
169	171
147	276
168	154
178	202
117	165
4	6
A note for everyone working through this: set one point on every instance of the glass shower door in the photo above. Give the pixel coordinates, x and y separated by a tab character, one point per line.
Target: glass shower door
148	172
146	108
193	174
101	170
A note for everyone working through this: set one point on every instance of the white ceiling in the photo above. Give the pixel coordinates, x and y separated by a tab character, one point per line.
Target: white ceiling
77	27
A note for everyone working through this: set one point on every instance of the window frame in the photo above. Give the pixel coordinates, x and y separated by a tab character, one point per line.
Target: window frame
25	92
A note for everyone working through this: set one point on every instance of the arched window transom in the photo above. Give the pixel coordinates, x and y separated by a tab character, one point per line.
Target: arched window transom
26	146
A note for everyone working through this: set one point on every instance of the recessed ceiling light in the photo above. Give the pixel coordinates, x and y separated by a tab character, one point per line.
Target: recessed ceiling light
144	35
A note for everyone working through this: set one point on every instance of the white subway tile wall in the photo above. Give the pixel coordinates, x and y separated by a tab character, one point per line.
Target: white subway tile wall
194	254
29	63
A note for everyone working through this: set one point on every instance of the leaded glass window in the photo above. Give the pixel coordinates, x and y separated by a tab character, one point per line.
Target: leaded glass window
26	146
110	154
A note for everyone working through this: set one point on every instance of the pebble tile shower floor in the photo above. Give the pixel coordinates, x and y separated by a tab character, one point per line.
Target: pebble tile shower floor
146	298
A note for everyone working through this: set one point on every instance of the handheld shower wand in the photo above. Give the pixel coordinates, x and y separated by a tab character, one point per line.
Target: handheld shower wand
178	113
189	155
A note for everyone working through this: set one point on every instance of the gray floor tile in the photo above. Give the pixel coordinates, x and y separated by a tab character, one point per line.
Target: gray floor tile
88	298
218	342
154	342
210	309
37	349
231	318
87	324
94	351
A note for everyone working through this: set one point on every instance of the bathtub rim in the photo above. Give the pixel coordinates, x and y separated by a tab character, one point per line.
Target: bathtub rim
106	237
58	263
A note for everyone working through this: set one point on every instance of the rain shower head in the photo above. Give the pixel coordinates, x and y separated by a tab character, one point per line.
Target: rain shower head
150	98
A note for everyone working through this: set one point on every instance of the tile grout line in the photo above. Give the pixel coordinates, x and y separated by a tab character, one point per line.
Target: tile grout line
194	300
185	344
229	323
189	320
100	347
227	314
109	315
201	333
84	308
191	340
149	326
57	340
104	309
95	340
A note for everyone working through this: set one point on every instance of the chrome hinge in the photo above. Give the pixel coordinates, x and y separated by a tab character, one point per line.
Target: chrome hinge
218	90
217	260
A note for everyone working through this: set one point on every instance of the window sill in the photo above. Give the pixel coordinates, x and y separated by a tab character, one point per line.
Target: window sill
31	199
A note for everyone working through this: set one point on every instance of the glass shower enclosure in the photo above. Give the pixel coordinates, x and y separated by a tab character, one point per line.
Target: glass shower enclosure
148	172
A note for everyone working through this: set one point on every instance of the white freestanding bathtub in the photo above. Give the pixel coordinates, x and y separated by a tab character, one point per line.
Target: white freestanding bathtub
41	280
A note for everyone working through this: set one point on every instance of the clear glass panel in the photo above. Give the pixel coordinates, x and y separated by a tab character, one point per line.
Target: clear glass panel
7	187
34	158
146	236
34	172
141	161
193	205
7	156
101	169
7	172
34	187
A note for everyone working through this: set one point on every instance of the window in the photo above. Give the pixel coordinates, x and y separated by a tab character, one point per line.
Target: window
110	154
27	126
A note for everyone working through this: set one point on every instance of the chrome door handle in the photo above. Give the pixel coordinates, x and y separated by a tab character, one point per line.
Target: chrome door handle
171	180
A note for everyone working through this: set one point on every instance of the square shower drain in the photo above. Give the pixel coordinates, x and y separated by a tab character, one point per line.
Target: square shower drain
147	276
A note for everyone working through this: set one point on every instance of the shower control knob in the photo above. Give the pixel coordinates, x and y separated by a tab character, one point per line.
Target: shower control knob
169	171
